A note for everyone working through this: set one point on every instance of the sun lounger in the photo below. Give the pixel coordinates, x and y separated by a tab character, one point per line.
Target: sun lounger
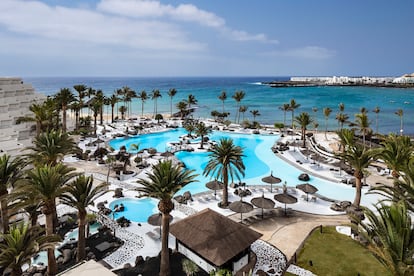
313	198
153	235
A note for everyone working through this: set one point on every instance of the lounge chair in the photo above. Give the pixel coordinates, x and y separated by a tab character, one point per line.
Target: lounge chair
153	235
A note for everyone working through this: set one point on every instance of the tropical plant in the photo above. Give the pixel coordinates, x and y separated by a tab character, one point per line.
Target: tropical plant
96	108
99	100
80	194
238	97
81	89
400	113
50	147
359	158
202	130
304	119
255	113
376	111
43	114
280	126
243	109
64	98
293	105
362	124
171	93
20	244
346	138
390	236
223	97
45	184
225	161
123	109
163	183
396	153
129	94
285	108
113	101
154	96
76	107
144	97
158	117
189	267
10	172
342	118
191	100
182	107
326	112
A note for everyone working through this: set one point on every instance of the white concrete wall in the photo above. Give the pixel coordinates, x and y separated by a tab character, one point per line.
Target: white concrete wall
240	263
196	259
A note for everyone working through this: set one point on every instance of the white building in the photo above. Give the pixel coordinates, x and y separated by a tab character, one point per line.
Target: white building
406	79
15	99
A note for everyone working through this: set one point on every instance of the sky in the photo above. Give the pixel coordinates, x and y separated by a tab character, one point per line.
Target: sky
144	38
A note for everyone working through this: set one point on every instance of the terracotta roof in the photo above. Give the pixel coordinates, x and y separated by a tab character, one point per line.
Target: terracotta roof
213	236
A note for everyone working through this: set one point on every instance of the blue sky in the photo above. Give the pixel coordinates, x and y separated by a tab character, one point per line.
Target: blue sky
206	38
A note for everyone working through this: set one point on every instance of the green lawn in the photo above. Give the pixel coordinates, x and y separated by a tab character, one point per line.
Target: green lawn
332	253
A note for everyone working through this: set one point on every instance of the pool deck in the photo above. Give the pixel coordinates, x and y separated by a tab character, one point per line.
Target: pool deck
285	232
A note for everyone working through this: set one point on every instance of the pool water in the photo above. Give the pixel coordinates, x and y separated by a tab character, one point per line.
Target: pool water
259	161
93	228
136	210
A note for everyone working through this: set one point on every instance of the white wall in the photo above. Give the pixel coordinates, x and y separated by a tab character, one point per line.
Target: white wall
196	259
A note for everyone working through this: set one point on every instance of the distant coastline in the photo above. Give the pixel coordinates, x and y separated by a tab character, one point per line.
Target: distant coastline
406	81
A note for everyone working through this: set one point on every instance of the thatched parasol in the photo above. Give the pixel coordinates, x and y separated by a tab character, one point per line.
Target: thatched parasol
156	220
241	207
271	180
263	202
167	154
215	185
307	188
286	199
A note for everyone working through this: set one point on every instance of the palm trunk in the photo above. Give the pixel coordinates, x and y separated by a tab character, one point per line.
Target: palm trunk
171	107
112	113
101	115
304	137
81	236
94	124
77	119
202	142
4	212
358	186
165	254
63	118
225	201
51	260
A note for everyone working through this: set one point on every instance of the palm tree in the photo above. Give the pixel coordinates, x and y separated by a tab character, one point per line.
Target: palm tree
50	147
376	111
341	107
113	100
144	97
238	97
400	113
162	183
42	115
292	106
390	236
21	244
129	95
191	100
202	130
285	108
342	118
304	119
80	194
243	109
223	97
123	109
255	113
81	89
189	267
346	138
154	96
190	127
64	98
362	124
96	108
10	172
225	160
45	184
326	112
182	107
172	92
396	153
76	107
359	158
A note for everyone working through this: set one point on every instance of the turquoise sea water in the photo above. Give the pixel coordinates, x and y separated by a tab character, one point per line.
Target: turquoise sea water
261	97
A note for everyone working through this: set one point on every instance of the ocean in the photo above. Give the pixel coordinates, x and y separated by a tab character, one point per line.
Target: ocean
259	97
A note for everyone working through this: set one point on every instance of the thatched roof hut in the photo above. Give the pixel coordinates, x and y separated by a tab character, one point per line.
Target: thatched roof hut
214	241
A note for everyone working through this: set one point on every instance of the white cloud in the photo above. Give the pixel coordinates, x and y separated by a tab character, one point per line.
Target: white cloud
74	24
182	12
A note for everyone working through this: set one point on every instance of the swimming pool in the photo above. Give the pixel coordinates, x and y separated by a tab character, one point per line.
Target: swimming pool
71	235
260	161
136	210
